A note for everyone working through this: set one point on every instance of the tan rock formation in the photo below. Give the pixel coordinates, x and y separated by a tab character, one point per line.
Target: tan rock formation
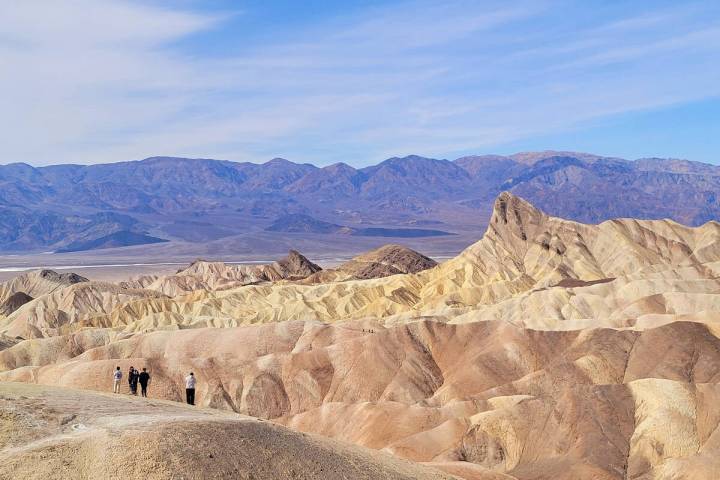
13	302
68	309
382	262
37	283
201	275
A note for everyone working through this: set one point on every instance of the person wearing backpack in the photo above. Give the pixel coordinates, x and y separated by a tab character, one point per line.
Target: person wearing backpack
117	376
133	375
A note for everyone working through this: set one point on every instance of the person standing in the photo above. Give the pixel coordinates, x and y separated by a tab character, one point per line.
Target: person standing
117	376
190	388
133	380
130	377
144	380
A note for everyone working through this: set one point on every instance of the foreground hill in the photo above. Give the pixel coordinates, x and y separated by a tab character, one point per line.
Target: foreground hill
52	433
74	207
471	399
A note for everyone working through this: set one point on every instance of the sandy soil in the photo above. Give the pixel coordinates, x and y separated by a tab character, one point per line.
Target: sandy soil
54	433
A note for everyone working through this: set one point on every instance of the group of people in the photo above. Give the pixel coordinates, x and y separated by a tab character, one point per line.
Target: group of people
143	378
134	377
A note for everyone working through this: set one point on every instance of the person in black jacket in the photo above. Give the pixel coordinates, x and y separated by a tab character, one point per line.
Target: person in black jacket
133	376
144	379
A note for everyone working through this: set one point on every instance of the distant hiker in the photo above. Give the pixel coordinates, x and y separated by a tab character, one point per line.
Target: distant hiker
133	380
190	388
144	380
117	376
134	384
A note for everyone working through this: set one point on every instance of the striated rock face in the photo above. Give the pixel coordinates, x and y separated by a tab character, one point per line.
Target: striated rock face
382	262
87	435
71	308
294	266
209	276
13	302
37	283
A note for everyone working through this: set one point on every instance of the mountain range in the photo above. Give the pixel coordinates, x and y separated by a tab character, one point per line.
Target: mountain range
193	201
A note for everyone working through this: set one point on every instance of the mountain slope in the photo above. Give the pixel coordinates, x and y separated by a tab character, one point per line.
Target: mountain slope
299	223
122	238
382	262
38	283
523	254
202	275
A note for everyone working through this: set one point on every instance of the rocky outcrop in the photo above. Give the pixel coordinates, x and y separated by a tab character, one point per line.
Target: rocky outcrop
213	276
382	262
38	283
292	267
13	302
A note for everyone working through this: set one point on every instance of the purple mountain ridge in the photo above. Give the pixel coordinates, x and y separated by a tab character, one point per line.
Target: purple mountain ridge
76	206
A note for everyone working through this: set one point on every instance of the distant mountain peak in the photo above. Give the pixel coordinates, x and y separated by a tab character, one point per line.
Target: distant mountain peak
412	159
340	167
280	161
531	158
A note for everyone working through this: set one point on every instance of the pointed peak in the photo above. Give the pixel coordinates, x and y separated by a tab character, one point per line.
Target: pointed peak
65	278
339	167
512	214
507	200
279	161
297	265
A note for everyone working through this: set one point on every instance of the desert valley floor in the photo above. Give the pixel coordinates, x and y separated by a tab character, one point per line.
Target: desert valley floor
548	349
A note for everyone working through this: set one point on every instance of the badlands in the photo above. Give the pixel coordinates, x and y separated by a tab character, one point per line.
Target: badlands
549	349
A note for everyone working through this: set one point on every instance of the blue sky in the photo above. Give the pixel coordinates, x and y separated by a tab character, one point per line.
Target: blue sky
90	81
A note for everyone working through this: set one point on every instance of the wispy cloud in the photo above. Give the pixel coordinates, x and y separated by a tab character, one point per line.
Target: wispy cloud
101	80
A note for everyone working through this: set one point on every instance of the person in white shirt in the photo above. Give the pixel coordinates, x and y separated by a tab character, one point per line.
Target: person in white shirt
117	376
190	388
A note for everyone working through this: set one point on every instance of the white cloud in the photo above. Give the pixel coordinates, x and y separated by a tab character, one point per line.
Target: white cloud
96	23
100	80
